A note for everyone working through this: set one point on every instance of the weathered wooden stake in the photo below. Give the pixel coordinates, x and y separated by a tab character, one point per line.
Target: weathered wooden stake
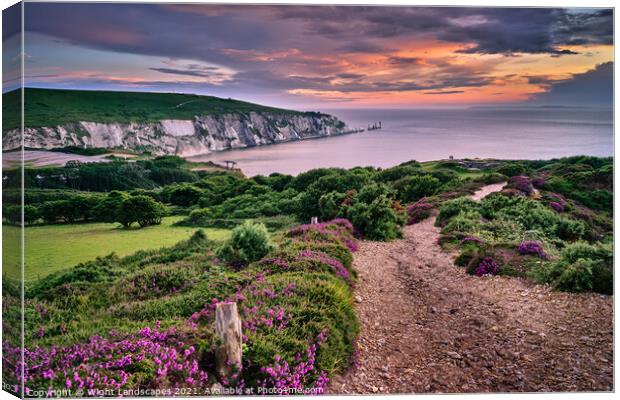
314	220
228	329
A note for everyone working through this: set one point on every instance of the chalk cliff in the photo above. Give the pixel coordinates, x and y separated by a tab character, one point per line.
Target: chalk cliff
184	137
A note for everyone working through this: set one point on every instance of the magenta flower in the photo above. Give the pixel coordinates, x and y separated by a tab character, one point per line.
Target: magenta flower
532	248
558	207
487	266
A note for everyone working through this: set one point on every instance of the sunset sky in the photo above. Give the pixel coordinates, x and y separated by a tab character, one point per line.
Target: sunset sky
329	57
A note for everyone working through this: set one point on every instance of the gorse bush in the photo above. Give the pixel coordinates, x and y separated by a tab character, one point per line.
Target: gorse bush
581	267
413	188
249	242
377	220
454	207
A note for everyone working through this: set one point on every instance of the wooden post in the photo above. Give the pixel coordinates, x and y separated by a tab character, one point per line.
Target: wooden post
314	220
228	329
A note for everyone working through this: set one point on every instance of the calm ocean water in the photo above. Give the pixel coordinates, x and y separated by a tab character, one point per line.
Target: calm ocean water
424	135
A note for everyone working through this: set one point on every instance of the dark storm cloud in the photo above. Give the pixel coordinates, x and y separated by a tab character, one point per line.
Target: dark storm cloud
594	88
278	49
585	28
149	29
490	30
200	30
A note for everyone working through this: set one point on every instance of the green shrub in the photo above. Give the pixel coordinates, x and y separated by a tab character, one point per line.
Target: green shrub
31	214
377	220
248	243
330	205
466	221
413	188
581	267
12	214
454	207
576	277
511	169
466	256
492	177
569	229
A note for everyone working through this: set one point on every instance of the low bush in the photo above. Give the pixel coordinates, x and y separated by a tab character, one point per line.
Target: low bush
581	267
492	177
418	212
532	247
377	220
338	231
521	183
248	243
415	187
487	266
334	249
454	207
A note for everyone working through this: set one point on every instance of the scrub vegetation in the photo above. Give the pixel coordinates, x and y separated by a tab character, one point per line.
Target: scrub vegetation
146	318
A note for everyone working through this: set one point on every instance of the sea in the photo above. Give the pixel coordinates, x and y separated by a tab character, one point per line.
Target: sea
434	134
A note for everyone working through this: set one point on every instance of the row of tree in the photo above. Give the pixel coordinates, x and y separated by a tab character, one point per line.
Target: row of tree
120	207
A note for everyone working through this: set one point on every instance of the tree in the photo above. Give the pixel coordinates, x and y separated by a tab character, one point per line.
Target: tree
81	207
107	210
141	209
31	214
56	210
182	195
12	214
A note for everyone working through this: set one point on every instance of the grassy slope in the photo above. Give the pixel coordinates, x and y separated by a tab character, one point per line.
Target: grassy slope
49	107
51	248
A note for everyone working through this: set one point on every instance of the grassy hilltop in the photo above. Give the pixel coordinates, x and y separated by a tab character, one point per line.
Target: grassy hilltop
52	107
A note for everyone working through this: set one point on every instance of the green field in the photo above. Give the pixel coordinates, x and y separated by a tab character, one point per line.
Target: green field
50	107
51	248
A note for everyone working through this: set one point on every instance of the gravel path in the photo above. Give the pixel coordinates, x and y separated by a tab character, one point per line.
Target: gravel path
427	326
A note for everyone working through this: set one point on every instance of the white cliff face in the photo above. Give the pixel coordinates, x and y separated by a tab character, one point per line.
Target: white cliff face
201	135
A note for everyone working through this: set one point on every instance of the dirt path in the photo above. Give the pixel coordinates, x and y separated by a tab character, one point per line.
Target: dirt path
427	326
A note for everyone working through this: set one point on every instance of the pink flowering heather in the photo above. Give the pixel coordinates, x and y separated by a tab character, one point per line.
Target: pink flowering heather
521	183
323	258
538	183
532	247
306	260
418	211
558	207
487	266
298	375
114	362
338	230
557	198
